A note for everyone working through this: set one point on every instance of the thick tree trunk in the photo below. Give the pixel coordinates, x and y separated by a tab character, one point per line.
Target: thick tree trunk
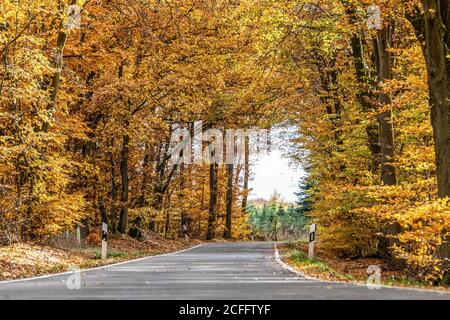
229	202
123	220
433	32
388	176
213	190
437	42
383	61
434	27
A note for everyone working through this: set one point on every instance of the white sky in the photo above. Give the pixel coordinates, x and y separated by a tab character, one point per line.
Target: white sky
274	173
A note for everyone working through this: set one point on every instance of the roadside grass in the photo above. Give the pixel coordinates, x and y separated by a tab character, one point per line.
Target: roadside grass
111	254
118	256
334	269
404	281
314	266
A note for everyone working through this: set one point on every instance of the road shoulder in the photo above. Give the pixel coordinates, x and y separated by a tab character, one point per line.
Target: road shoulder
319	271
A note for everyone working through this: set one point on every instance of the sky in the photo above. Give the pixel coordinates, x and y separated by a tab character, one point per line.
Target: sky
272	173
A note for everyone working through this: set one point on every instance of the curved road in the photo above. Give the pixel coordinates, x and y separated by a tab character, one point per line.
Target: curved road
226	271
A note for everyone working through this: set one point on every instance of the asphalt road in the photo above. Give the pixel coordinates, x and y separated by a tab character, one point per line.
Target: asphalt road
227	271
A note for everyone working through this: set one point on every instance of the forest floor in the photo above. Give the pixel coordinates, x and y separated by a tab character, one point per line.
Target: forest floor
23	260
329	268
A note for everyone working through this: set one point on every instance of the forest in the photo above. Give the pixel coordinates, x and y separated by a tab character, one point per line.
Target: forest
91	92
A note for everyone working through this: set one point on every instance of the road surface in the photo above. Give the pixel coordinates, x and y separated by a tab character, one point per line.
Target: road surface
225	271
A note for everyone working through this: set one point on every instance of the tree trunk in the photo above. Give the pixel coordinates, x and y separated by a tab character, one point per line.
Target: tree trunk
213	189
184	226
383	61
364	79
123	220
437	44
388	176
331	101
163	180
57	64
113	191
246	174
434	27
229	202
145	162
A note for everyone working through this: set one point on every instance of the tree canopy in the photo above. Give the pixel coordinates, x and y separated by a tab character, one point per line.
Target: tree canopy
88	108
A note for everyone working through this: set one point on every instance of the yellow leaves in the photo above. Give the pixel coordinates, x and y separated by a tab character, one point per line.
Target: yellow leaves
138	67
424	225
429	217
58	212
352	207
354	218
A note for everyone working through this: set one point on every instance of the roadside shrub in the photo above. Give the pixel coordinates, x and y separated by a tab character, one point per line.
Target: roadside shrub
346	227
354	223
423	243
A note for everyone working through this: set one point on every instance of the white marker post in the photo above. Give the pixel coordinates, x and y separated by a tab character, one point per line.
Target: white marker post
374	21
78	235
74	17
104	241
312	240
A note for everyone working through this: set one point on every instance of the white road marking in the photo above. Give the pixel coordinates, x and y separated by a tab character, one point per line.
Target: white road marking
99	268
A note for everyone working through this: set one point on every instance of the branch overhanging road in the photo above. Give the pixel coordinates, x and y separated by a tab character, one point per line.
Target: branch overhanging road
227	271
